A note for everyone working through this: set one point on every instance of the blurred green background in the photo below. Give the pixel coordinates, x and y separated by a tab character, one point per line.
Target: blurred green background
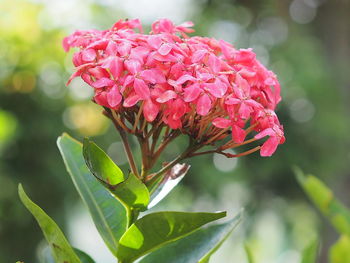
306	42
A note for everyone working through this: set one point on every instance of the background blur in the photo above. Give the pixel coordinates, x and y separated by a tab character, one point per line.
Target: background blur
306	42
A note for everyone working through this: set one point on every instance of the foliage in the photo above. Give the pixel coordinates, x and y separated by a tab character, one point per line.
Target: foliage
160	232
336	213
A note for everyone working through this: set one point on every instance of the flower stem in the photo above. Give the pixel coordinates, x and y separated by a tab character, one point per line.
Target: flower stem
128	152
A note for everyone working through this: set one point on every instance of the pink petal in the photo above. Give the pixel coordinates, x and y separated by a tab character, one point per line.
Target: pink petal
165	49
115	65
254	104
124	49
128	80
214	63
155	41
269	147
192	92
264	133
203	105
178	108
166	96
150	110
133	66
103	82
101	98
99	44
242	84
112	48
217	89
246	73
88	55
141	89
244	111
131	100
232	101
153	76
238	134
174	124
185	78
198	55
114	97
244	56
221	123
139	53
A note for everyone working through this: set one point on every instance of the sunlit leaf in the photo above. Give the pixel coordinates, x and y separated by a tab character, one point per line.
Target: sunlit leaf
100	164
324	199
196	247
340	251
108	214
309	254
60	248
130	191
249	253
155	230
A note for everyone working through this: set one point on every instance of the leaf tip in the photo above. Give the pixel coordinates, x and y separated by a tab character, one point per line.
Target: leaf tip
300	176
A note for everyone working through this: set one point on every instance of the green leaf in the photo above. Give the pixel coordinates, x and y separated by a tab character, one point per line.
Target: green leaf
130	191
309	254
84	258
249	253
323	198
196	247
158	229
108	214
340	251
100	164
45	256
61	249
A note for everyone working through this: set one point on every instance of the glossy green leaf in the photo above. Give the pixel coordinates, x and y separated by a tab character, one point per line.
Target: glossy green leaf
158	229
309	254
130	191
84	258
340	251
108	214
100	164
196	247
324	199
61	249
45	256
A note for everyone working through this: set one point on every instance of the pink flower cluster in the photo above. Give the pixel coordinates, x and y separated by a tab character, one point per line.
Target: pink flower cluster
179	80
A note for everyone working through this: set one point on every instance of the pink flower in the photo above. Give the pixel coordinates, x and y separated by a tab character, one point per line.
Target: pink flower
276	137
204	87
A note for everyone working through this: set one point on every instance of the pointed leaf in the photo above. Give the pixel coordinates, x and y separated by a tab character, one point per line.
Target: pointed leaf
130	191
323	198
108	214
196	247
157	229
249	253
100	164
340	251
45	256
61	249
309	254
84	258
